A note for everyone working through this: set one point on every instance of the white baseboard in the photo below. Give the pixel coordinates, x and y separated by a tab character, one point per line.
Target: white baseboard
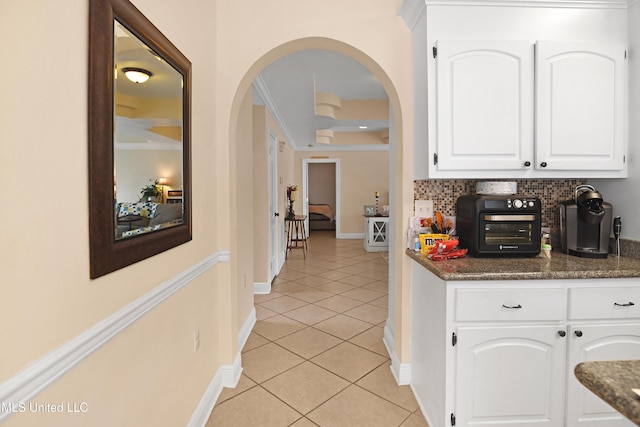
401	371
227	376
261	288
350	236
205	406
425	414
27	383
247	327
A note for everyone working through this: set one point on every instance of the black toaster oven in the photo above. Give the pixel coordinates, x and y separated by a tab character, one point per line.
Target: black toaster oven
489	225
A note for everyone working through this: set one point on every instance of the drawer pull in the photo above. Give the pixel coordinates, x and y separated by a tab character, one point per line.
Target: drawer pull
562	334
512	307
578	333
629	304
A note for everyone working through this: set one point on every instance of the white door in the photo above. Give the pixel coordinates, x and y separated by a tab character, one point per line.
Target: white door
580	101
484	105
509	376
273	205
590	343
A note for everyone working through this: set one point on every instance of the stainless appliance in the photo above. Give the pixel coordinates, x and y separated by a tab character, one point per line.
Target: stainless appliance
494	225
585	224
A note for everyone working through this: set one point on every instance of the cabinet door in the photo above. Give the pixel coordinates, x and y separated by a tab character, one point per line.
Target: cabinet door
510	376
484	105
378	232
597	342
376	229
580	102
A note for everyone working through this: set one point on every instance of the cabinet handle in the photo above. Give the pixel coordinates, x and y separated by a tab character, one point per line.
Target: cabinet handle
543	164
562	334
512	307
527	163
629	304
578	333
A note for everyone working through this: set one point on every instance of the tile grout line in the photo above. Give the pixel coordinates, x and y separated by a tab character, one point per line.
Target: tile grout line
323	268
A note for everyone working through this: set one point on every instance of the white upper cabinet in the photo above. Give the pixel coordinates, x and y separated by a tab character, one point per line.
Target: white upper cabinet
517	85
580	95
484	105
486	124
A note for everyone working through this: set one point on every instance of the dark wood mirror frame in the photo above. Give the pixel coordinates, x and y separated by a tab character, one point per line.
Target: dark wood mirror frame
106	253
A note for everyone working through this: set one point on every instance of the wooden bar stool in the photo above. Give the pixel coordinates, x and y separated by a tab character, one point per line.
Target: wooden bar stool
296	234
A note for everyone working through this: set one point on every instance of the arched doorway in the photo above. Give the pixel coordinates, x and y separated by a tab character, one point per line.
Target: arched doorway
397	191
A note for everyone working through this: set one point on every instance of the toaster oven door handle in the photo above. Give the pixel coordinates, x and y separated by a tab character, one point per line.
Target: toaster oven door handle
510	218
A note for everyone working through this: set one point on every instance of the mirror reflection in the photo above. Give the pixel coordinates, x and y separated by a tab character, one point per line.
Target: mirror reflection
148	138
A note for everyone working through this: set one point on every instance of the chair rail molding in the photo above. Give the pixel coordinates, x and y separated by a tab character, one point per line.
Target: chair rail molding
39	375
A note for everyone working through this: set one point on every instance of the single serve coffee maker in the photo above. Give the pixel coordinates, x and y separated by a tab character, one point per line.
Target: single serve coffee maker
585	224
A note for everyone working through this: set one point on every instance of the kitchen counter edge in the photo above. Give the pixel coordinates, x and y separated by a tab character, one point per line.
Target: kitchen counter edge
613	382
559	266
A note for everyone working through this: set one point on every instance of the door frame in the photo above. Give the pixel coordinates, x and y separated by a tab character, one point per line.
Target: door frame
305	190
272	177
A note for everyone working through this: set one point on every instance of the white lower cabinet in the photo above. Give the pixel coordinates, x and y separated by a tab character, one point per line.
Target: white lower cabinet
503	353
510	375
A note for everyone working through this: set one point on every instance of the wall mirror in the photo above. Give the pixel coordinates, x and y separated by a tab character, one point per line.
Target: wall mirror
139	139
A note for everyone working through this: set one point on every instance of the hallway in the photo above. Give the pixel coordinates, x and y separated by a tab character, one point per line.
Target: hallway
315	356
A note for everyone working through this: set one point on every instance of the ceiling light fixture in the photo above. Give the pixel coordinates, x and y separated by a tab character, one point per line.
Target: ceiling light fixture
137	75
363	127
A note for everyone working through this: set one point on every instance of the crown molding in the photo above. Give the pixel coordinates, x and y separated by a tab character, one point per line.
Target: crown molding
345	147
410	10
261	87
582	4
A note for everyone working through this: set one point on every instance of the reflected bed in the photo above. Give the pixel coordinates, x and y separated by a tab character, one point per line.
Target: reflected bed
321	217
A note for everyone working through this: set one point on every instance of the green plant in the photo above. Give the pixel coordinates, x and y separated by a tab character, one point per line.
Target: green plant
151	190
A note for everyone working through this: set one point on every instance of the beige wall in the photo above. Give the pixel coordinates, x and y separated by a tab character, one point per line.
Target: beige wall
244	155
149	373
362	173
260	167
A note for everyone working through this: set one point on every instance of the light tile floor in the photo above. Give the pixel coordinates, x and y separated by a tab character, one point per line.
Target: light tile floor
315	356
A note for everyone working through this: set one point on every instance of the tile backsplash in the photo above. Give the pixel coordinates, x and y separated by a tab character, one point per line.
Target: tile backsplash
445	192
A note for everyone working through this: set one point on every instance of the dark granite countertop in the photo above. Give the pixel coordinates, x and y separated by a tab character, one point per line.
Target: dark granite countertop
613	382
560	266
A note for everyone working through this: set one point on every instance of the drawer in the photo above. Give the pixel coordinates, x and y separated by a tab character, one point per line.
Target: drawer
604	303
509	304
